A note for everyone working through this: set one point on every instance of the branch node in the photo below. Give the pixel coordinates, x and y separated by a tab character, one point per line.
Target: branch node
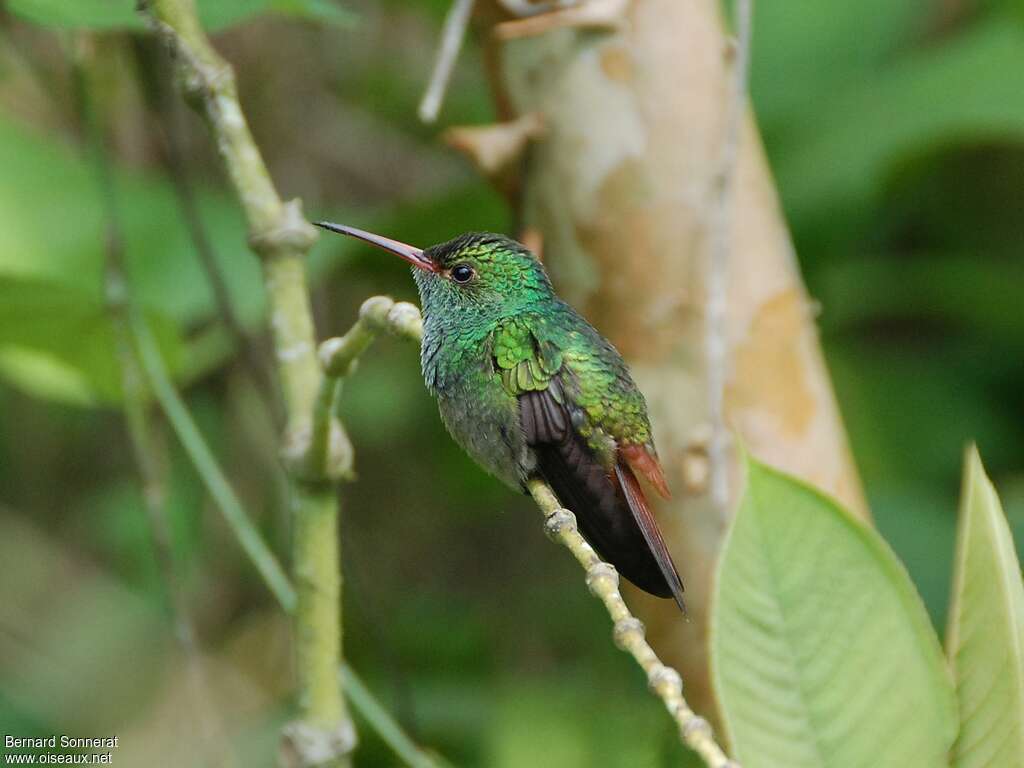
291	233
558	522
204	82
602	578
316	458
374	312
405	320
665	681
696	729
305	745
627	631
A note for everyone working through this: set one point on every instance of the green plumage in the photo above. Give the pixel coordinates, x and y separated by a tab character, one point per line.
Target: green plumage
507	333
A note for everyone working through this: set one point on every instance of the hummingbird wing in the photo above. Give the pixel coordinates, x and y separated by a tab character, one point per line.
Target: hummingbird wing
591	472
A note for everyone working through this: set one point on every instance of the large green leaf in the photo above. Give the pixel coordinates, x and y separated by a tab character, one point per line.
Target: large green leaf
822	654
985	641
101	15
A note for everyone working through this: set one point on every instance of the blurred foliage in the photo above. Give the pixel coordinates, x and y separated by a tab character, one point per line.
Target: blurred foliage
106	15
896	128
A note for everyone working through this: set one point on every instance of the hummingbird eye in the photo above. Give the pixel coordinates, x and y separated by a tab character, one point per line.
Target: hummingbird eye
462	273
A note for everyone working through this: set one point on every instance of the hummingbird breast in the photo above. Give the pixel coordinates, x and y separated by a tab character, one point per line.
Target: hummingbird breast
476	410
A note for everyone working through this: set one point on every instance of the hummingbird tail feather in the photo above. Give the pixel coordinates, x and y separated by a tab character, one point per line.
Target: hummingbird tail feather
623	532
645	463
649	527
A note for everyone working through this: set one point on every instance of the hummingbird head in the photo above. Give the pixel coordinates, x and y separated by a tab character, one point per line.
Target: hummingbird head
481	273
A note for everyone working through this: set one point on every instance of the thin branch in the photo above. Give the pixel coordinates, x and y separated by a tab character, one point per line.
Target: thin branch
452	35
279	234
526	8
206	465
603	580
328	453
246	533
168	123
384	725
716	341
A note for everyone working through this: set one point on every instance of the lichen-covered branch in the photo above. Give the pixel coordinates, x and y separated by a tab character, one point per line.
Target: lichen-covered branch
603	580
277	230
246	532
281	237
378	314
328	452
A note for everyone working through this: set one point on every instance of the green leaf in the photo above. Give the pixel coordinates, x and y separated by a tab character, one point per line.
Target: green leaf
821	651
60	343
106	15
985	641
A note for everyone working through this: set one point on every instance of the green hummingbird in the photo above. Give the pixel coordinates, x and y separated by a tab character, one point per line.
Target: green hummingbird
529	388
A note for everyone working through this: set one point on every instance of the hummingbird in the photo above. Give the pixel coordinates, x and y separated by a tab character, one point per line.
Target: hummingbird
530	389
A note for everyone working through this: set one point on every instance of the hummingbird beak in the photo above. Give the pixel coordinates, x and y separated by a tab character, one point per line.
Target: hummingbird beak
413	255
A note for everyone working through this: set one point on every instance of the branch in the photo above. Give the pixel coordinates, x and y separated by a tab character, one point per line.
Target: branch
281	237
452	35
328	454
538	19
206	465
167	121
603	580
716	343
248	535
384	725
277	231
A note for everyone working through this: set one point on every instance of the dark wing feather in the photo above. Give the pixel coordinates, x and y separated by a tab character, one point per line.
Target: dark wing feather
610	507
649	528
